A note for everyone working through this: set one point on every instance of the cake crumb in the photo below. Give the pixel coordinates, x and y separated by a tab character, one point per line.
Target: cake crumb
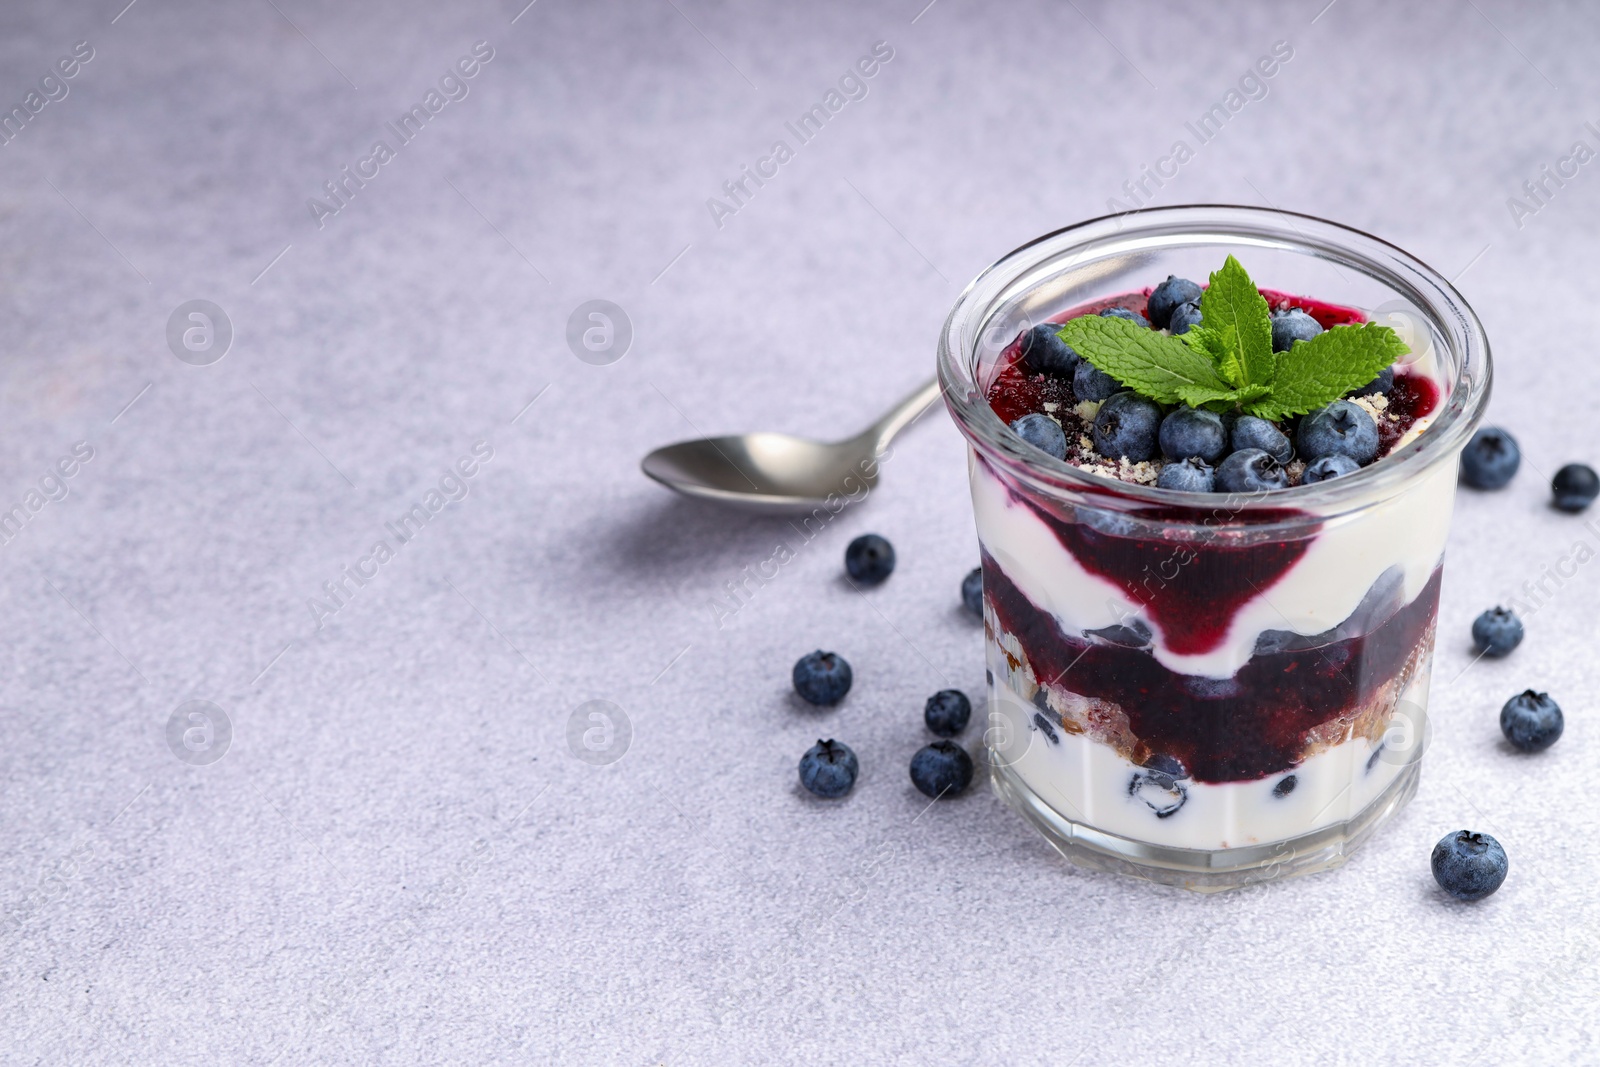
1051	408
1374	405
1087	409
1144	473
1295	469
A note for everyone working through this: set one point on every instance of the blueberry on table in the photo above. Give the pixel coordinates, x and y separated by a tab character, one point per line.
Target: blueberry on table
829	769
1123	313
1291	326
1469	866
1490	459
942	769
1250	431
1187	432
1091	383
1043	433
1381	384
1045	353
869	559
1168	297
972	591
1184	316
1531	721
1192	475
1496	632
1327	467
1126	426
1575	486
822	677
947	712
1250	470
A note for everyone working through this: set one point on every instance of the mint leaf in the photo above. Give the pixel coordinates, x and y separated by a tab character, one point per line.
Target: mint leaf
1232	301
1222	346
1319	371
1150	363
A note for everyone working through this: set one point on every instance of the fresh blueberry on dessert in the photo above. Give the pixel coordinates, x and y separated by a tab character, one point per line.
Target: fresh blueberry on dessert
829	769
1381	384
1044	352
972	591
1127	316
942	769
1043	433
947	712
1291	326
1187	432
1126	427
1490	459
1091	383
1252	432
822	678
1251	470
869	559
1340	429
1469	866
1496	632
1185	316
1168	296
1575	486
1531	721
1192	475
1328	467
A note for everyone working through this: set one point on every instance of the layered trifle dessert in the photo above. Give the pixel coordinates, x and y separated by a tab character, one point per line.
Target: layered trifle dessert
1209	600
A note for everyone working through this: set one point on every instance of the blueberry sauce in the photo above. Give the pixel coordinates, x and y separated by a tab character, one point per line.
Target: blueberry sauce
1243	728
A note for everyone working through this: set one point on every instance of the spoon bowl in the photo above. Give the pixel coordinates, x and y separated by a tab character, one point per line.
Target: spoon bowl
776	473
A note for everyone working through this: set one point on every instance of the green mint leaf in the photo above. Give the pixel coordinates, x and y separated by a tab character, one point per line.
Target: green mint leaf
1232	300
1150	363
1319	371
1222	347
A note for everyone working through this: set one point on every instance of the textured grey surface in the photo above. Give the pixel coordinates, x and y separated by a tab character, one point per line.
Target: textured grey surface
399	860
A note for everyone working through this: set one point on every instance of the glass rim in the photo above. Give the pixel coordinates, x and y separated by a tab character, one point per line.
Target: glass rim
1449	315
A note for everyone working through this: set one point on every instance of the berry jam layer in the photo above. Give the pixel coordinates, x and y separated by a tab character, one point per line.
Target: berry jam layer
1297	694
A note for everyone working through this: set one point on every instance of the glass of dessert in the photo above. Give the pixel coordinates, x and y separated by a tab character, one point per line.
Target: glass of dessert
1212	518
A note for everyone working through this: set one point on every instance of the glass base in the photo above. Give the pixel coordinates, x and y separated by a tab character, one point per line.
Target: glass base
1200	870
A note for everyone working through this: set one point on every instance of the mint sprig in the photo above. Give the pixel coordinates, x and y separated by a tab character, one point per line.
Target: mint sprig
1226	362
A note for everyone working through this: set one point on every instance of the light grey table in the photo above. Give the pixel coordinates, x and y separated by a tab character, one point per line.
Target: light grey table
399	859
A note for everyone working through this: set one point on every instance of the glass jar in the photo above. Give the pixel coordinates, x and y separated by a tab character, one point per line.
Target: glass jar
1208	690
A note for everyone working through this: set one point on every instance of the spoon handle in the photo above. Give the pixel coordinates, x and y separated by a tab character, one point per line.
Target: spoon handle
901	415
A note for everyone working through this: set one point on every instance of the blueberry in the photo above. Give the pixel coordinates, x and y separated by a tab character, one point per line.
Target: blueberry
1469	866
1531	721
1329	467
1045	353
1291	326
869	559
942	769
1193	432
1123	313
1251	470
1167	296
1341	428
972	591
1192	475
1285	787
1170	766
1183	317
1252	432
1126	427
822	677
829	769
1046	727
1575	486
1159	790
1091	383
1381	384
947	712
1496	632
1043	433
1490	459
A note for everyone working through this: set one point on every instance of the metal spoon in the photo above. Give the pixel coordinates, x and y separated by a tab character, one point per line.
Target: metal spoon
775	472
